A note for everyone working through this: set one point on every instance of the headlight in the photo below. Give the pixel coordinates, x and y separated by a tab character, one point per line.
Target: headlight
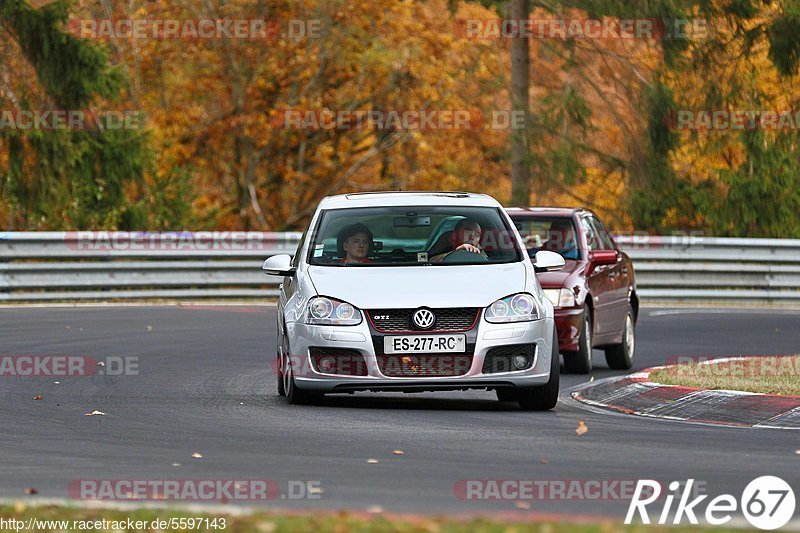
560	297
331	312
515	308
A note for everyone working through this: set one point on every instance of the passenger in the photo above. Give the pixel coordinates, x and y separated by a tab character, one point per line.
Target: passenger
355	244
465	236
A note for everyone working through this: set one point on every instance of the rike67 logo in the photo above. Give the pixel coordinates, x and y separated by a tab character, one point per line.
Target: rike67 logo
767	502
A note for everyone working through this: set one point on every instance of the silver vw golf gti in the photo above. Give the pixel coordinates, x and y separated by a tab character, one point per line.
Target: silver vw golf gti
415	292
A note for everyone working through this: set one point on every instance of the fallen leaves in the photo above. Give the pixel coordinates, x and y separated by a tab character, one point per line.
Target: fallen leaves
373	461
582	429
95	413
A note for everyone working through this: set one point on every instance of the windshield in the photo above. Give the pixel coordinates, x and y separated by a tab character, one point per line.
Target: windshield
556	234
413	236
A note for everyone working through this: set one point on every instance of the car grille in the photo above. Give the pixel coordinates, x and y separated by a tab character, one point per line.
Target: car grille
348	362
399	320
424	365
499	358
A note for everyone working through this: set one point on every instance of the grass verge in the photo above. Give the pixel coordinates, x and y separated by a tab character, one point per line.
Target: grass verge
770	375
78	518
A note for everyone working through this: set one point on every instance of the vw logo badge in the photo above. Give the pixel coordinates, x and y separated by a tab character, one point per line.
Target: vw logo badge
423	318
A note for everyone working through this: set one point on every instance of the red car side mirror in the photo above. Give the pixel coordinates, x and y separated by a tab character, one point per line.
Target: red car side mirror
603	257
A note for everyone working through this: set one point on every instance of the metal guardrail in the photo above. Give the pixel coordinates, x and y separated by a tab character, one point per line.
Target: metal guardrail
69	266
701	269
66	266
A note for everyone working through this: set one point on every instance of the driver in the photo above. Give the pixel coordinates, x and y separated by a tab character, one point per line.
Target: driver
561	238
466	236
355	244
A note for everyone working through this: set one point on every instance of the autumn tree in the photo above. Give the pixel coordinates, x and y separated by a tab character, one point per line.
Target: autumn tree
60	178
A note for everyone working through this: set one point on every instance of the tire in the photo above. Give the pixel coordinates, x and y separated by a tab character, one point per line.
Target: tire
543	397
506	395
278	360
281	388
621	356
294	395
580	362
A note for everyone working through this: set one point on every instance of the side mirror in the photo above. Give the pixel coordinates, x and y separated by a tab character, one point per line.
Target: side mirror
546	261
603	257
278	265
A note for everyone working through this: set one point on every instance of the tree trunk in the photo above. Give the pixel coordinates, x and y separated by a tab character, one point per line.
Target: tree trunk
520	68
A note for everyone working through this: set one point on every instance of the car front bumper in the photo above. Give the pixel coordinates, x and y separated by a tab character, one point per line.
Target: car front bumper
360	338
568	325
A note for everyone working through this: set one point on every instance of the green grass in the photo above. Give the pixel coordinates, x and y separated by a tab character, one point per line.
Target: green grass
771	375
341	522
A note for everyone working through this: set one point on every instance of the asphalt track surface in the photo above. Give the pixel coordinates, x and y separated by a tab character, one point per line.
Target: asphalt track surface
205	384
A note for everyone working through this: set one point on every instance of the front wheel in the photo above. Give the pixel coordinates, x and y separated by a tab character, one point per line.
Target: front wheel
294	395
279	364
580	362
281	388
506	395
543	397
620	356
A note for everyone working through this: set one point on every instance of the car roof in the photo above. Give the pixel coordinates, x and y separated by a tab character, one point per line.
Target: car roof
401	198
546	211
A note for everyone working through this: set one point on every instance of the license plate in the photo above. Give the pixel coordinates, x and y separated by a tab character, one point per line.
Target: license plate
425	344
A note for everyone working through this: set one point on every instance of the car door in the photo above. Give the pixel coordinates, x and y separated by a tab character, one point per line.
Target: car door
601	284
619	275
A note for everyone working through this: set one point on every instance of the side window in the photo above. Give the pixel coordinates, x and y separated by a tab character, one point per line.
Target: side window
296	258
603	237
591	235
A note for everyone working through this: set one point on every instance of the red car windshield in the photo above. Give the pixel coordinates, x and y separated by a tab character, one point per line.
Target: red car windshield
556	234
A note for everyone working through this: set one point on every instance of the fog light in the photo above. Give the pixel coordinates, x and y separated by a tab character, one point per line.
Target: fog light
326	364
520	361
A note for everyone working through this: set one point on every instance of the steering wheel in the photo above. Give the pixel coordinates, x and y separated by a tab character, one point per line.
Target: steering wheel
463	256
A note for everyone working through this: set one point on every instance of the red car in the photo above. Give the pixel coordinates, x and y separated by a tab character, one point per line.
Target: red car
594	295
